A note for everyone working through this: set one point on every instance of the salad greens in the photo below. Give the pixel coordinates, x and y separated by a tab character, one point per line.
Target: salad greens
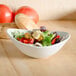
18	34
47	39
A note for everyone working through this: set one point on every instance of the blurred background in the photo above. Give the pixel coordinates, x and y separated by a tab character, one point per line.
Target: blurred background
47	9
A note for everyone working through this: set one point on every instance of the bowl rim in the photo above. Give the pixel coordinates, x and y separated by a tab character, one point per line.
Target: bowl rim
11	37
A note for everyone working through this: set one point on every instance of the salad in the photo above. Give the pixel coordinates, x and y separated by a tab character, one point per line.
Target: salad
38	37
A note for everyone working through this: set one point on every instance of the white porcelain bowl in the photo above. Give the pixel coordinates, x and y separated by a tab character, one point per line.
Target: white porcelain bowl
38	52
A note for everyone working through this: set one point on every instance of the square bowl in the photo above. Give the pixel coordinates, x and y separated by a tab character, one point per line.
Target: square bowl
38	52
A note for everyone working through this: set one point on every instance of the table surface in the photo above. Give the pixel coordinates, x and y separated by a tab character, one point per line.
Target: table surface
63	63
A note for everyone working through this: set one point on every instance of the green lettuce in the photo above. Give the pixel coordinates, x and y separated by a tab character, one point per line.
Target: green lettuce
18	34
47	38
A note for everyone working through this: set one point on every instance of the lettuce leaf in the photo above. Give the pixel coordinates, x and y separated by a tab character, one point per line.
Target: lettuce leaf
46	41
17	34
45	33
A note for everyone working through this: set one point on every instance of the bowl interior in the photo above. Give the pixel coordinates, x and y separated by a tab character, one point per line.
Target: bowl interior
63	35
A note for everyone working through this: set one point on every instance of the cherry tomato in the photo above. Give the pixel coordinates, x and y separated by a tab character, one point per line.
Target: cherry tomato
6	14
21	40
26	41
31	41
18	39
29	12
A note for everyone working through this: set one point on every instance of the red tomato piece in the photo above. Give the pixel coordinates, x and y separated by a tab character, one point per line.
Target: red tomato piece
18	39
31	41
22	40
26	41
53	41
57	36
